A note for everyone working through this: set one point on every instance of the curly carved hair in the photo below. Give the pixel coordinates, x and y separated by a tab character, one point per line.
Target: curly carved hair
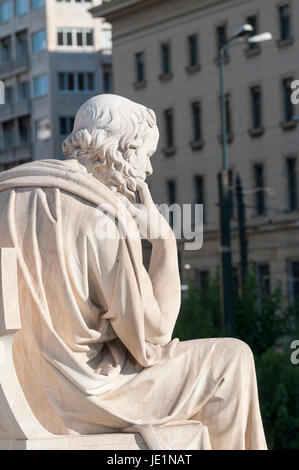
108	131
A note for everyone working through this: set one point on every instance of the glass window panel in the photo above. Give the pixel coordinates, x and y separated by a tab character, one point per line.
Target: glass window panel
90	81
6	9
69	38
70	82
21	7
79	38
37	4
89	38
80	81
59	38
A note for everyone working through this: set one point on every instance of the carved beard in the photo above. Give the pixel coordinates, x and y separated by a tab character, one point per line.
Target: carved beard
125	189
122	183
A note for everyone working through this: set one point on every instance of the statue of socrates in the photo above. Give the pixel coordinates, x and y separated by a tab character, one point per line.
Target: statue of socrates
95	353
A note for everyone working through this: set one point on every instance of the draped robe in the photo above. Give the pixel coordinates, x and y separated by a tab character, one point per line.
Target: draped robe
95	353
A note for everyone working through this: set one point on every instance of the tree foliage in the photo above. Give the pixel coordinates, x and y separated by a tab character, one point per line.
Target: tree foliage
267	325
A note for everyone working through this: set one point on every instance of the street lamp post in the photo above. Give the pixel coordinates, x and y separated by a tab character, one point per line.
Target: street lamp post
224	193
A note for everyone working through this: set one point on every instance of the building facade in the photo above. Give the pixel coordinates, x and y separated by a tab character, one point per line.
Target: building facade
53	56
165	55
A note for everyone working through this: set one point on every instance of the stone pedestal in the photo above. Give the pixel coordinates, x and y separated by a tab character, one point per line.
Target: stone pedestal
115	441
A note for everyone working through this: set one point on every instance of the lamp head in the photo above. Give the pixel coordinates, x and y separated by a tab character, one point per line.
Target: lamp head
244	30
260	38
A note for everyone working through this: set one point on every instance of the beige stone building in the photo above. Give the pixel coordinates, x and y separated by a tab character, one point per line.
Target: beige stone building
53	56
165	56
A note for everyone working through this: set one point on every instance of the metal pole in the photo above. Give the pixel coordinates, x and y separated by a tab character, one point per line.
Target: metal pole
224	196
242	228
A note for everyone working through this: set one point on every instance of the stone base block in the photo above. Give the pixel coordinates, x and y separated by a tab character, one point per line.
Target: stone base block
114	441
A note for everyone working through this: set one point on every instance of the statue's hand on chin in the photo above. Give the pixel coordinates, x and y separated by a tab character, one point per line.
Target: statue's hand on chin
151	223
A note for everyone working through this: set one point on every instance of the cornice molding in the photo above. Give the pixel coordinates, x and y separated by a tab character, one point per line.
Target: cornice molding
121	8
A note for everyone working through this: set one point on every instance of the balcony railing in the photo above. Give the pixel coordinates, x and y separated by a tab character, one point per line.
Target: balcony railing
14	110
16	154
20	64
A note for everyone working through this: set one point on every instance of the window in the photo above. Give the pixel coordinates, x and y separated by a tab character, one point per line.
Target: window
8	94
21	7
165	59
66	125
88	37
39	41
171	193
42	129
293	272
8	134
74	37
252	20
37	4
199	189
22	43
263	280
196	122
221	38
228	115
199	192
288	105
40	85
140	68
107	80
75	82
23	90
284	22
256	107
106	36
292	184
6	49
259	186
193	50
6	11
168	117
201	278
24	129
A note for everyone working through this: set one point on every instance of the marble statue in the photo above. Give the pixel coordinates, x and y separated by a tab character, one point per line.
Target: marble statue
95	352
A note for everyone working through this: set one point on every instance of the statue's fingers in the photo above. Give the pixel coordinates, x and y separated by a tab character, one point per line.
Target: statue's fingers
144	193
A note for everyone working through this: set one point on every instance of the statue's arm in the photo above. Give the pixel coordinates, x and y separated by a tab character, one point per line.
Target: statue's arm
164	270
165	278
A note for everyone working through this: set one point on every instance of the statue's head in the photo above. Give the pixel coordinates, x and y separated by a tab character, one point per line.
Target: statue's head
114	138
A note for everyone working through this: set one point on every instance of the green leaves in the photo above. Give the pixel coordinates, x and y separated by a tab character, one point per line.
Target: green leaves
268	325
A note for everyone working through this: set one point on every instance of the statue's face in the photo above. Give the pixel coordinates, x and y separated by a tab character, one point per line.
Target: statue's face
141	160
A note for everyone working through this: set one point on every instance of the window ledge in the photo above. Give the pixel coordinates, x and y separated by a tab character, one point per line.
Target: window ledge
192	68
288	125
168	151
252	52
230	138
261	215
256	132
141	84
226	60
164	77
285	42
196	145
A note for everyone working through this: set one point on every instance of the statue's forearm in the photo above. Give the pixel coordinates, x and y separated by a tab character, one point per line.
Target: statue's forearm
164	274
